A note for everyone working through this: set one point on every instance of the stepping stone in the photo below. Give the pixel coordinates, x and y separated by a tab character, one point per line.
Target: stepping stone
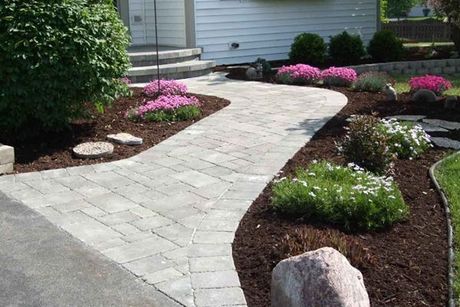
125	139
446	143
93	150
443	123
408	118
432	128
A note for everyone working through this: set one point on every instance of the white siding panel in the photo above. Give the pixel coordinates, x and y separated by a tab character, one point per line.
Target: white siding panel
266	28
171	22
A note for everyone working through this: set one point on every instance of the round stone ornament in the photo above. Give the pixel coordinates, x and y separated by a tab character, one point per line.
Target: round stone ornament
93	150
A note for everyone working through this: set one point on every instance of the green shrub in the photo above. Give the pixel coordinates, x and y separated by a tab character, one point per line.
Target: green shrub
346	49
345	196
55	56
266	67
371	81
308	48
385	46
180	114
366	146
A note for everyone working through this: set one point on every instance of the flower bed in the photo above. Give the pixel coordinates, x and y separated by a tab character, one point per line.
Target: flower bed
437	84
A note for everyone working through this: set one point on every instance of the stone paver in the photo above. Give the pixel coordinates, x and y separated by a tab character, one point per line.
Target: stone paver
169	214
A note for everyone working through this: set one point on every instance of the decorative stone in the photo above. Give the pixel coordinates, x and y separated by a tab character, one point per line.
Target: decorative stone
443	123
424	96
432	128
446	143
319	278
407	118
391	93
6	159
253	73
125	139
93	150
451	102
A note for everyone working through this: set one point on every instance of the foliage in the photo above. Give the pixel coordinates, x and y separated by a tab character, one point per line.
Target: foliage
437	84
402	84
54	57
366	146
385	46
345	196
308	48
383	10
170	115
300	74
399	8
163	104
346	49
371	81
266	67
167	87
339	76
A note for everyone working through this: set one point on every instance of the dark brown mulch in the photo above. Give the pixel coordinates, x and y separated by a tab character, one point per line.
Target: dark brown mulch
51	151
409	266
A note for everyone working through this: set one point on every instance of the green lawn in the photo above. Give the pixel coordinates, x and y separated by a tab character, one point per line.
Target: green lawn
402	84
448	174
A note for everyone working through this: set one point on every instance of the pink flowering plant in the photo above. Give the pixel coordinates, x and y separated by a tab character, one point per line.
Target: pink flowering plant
301	74
437	84
167	87
339	76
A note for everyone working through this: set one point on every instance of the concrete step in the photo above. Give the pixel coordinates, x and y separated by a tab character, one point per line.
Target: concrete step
182	70
149	58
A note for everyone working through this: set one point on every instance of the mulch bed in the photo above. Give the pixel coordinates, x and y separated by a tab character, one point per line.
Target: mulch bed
51	151
409	260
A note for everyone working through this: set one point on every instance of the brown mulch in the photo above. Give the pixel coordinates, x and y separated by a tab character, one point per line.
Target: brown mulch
51	151
409	266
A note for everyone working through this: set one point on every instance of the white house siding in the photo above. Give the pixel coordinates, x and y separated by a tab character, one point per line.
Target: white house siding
266	28
171	22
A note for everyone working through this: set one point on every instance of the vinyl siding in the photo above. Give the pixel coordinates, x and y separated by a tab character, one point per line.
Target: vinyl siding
266	28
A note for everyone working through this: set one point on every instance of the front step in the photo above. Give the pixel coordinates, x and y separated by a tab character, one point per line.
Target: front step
182	70
149	58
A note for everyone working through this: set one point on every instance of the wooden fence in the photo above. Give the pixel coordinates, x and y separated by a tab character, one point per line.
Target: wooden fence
422	31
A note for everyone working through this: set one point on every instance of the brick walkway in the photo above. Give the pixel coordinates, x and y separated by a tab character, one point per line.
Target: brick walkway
169	214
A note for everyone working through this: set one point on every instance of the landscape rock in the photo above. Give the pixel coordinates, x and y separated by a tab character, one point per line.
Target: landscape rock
319	278
451	102
6	159
93	150
432	128
390	92
125	139
446	143
253	73
443	123
408	118
424	96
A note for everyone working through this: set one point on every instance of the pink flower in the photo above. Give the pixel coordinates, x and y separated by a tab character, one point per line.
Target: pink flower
167	103
338	76
298	74
437	84
167	87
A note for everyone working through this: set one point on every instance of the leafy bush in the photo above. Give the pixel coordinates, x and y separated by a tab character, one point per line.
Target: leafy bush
308	48
54	57
366	146
179	114
345	196
371	81
385	46
167	87
346	49
338	76
266	67
437	84
298	74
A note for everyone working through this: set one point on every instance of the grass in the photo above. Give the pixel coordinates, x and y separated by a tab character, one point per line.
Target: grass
447	174
402	85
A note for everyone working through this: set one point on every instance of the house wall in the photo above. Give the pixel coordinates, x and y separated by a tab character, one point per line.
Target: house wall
171	22
266	28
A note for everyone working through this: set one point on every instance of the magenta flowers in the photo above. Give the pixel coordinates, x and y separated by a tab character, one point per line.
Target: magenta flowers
167	103
298	74
338	76
167	87
437	84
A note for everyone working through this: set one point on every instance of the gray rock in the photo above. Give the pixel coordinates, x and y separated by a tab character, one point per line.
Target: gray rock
443	123
391	93
93	150
451	102
408	118
253	74
446	143
432	128
125	139
319	278
424	96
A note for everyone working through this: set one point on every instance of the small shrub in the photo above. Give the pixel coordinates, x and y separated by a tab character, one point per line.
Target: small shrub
336	76
346	49
346	196
167	88
266	67
371	82
436	84
385	46
298	74
366	146
308	48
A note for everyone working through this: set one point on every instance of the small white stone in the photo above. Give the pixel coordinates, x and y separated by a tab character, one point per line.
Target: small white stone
125	139
93	150
446	143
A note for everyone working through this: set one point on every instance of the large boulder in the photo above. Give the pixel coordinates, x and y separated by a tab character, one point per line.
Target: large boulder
319	278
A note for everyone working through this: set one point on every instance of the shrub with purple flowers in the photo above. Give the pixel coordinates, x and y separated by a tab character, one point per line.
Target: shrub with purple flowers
437	84
300	74
167	87
339	76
